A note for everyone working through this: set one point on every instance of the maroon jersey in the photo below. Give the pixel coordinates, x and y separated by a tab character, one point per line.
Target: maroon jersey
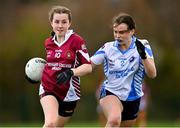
69	54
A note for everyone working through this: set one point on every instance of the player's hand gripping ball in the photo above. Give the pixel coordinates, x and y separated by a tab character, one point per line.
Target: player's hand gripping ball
34	69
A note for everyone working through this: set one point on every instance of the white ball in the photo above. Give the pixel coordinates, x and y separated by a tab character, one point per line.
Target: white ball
34	68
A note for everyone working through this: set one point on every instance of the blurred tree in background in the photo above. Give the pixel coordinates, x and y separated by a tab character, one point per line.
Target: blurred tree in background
24	26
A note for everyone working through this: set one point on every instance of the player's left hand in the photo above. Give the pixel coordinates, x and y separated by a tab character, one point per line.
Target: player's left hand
141	49
65	76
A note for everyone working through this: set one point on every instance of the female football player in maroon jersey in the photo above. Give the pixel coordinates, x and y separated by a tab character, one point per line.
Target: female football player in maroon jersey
67	59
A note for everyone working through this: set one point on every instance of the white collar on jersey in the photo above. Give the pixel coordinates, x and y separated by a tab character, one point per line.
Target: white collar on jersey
132	45
67	35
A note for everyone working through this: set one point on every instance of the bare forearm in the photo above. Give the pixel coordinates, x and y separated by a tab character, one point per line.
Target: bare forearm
82	70
150	68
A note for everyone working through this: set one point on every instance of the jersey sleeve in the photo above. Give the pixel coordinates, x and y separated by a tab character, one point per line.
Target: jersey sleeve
99	56
148	49
82	53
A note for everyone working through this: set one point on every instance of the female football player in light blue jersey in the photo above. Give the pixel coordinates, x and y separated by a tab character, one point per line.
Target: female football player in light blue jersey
126	61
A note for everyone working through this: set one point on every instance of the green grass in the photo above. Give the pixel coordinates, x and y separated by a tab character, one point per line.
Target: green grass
163	124
83	124
91	124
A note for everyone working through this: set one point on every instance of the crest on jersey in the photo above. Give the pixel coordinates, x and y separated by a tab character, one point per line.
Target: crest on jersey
68	55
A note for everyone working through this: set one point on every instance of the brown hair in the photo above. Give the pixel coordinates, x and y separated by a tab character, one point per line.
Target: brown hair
124	18
59	10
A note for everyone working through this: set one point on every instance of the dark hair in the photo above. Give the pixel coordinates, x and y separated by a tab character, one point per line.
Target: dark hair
60	10
124	18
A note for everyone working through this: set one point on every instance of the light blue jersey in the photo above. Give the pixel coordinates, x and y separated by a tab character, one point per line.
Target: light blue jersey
124	70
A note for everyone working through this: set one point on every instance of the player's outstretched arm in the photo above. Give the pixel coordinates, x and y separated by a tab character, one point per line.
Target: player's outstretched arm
65	76
82	70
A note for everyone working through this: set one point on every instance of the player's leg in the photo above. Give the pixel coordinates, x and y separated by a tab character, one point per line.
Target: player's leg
50	107
130	112
112	108
142	116
66	110
101	116
62	121
142	119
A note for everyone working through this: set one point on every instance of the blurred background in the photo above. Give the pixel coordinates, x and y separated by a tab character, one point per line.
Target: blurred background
24	26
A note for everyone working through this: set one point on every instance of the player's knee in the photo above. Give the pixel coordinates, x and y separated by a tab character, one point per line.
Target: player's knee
114	121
